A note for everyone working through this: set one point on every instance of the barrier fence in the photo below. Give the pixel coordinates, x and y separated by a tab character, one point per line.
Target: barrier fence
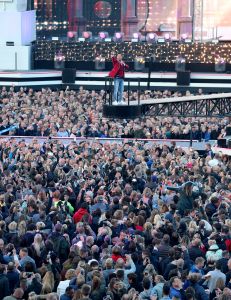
67	140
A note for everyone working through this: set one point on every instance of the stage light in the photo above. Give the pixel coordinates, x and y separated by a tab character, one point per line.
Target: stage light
118	37
168	37
99	63
71	35
151	37
220	65
136	37
139	63
102	36
86	36
59	61
180	64
184	38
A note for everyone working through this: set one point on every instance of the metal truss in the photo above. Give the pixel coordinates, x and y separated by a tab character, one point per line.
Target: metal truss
198	20
198	108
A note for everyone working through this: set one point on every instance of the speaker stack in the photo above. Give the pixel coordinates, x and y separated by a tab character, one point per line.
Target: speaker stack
183	78
68	75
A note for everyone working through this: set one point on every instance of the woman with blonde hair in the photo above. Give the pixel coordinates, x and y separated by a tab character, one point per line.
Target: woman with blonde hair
147	195
21	228
48	283
36	249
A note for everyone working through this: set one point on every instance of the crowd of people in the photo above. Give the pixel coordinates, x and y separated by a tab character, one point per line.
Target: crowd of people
79	114
92	220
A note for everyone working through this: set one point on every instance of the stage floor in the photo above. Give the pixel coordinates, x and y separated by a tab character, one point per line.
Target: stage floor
211	82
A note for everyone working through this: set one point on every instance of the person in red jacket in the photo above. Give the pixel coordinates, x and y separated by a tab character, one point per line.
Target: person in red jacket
117	73
83	210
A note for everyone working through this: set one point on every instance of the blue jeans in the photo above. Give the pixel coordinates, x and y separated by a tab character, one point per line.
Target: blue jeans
118	89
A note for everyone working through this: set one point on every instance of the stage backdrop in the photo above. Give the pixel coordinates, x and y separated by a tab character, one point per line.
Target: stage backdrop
57	17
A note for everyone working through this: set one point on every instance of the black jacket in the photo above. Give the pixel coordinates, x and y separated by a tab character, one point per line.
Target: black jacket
4	286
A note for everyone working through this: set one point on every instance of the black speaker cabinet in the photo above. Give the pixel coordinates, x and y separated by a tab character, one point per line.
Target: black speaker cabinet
68	75
183	78
222	143
228	130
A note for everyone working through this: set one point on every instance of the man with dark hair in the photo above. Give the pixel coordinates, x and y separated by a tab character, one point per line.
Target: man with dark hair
68	294
146	294
4	283
213	276
166	292
224	261
117	73
176	288
211	208
85	291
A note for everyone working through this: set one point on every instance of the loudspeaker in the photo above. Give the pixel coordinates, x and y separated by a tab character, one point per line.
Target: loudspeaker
228	130
220	67
222	143
183	78
68	75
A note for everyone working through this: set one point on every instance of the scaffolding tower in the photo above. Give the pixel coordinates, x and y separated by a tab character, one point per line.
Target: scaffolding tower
198	14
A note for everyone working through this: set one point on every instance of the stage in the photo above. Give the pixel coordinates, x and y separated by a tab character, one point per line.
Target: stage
209	82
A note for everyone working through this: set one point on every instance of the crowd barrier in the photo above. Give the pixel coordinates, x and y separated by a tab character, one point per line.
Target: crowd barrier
67	140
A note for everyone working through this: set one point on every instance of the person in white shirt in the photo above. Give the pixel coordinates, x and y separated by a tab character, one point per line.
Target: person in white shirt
213	276
70	274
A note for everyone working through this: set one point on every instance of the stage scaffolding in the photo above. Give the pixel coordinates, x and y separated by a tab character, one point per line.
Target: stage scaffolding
198	14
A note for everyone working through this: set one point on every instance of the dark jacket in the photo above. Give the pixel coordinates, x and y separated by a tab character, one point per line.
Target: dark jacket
98	294
195	252
200	291
65	297
13	278
4	286
185	201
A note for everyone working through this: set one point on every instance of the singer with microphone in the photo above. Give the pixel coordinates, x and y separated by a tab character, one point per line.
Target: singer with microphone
117	73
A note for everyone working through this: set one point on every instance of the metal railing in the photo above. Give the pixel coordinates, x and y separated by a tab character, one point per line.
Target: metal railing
67	140
109	87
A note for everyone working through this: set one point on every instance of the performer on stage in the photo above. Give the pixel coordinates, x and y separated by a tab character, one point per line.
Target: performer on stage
117	73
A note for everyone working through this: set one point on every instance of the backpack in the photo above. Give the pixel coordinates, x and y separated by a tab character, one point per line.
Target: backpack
60	246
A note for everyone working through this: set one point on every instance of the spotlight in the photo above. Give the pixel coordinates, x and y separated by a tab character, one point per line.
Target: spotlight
151	37
180	64
168	37
136	37
220	65
59	60
118	37
184	38
86	36
102	36
71	35
99	63
139	63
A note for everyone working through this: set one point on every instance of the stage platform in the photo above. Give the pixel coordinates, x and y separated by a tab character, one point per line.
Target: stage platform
209	82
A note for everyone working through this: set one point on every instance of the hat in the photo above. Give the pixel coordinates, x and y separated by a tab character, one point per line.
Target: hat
92	260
